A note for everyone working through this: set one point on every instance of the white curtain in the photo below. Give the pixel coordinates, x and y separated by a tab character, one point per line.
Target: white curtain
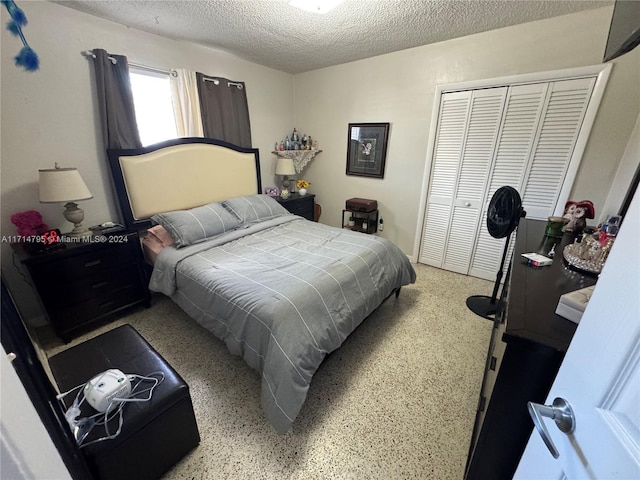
186	104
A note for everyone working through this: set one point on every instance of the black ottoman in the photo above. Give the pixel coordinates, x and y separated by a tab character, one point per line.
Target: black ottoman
155	434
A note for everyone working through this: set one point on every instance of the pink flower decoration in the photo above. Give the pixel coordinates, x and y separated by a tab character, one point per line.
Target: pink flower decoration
28	223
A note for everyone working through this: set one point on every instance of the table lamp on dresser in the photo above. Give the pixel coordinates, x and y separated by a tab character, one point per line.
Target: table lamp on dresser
59	185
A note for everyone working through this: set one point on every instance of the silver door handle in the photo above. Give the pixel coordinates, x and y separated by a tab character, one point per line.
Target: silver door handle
467	204
561	412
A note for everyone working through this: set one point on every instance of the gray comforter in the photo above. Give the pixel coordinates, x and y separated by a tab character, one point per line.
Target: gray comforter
283	294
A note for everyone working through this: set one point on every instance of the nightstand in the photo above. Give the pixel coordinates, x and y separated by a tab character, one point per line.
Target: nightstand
88	280
303	206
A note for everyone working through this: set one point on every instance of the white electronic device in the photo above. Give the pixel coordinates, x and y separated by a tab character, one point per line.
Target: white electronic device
102	389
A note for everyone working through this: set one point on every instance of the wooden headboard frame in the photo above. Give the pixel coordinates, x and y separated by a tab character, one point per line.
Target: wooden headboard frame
180	174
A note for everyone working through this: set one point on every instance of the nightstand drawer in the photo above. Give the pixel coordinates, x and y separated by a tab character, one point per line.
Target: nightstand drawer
304	209
94	262
77	314
78	290
302	206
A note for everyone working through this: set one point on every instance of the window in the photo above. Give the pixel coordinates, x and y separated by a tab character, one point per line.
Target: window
152	102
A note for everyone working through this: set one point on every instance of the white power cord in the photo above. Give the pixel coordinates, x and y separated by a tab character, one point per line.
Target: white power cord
81	427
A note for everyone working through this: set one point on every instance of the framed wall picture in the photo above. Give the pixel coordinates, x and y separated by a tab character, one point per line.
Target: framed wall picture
367	149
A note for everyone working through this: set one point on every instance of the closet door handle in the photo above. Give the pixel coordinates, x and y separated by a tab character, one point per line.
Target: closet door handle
561	412
467	204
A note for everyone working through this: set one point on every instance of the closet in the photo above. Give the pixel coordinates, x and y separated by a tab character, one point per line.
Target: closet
529	135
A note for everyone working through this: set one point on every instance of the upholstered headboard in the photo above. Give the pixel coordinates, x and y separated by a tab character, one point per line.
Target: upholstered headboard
181	174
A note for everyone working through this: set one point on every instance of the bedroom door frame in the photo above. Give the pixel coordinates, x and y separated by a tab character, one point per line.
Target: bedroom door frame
601	72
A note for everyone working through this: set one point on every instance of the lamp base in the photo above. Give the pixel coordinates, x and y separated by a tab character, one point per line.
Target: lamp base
75	215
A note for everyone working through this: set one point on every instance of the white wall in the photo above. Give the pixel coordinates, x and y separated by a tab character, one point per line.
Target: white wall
27	451
627	169
50	115
399	88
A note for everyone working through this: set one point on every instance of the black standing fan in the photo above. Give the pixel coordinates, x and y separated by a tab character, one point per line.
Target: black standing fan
503	215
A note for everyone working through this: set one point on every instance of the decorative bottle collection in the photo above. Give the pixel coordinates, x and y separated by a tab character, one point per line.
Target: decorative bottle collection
295	142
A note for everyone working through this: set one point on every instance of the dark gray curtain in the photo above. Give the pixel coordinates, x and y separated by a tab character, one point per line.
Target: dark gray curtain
225	111
115	101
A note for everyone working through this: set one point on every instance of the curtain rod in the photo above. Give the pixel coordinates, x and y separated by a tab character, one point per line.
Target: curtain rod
173	73
89	53
217	82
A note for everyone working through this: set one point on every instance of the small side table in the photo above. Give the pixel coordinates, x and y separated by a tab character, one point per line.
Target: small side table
366	222
303	206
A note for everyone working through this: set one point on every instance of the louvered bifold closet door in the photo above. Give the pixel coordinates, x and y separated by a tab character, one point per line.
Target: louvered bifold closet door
518	133
460	167
477	155
450	135
523	136
561	122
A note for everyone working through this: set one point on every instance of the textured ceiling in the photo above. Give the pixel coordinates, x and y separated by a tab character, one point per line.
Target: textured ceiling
272	33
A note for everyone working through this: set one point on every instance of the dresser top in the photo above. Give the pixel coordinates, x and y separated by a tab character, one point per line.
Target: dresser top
534	291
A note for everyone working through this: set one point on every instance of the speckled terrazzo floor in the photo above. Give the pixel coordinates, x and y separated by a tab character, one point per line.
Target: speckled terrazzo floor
396	401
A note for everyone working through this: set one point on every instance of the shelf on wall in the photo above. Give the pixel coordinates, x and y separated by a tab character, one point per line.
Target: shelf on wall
300	157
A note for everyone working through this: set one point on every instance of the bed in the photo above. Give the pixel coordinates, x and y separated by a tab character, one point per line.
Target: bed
281	291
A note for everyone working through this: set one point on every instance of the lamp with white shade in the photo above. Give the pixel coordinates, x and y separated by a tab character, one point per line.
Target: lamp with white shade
285	167
59	185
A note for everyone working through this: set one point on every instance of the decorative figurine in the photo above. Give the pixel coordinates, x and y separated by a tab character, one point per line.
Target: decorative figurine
577	213
294	135
287	144
281	148
569	208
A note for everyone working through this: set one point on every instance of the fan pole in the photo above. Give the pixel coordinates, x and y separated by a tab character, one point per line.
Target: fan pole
482	304
494	296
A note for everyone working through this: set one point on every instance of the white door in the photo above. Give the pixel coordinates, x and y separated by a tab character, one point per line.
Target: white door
485	113
465	140
600	378
513	154
537	139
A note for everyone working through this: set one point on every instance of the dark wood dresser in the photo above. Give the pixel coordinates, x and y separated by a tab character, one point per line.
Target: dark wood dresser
303	206
85	282
527	346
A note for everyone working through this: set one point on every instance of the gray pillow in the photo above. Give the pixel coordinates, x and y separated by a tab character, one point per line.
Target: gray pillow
188	227
255	208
